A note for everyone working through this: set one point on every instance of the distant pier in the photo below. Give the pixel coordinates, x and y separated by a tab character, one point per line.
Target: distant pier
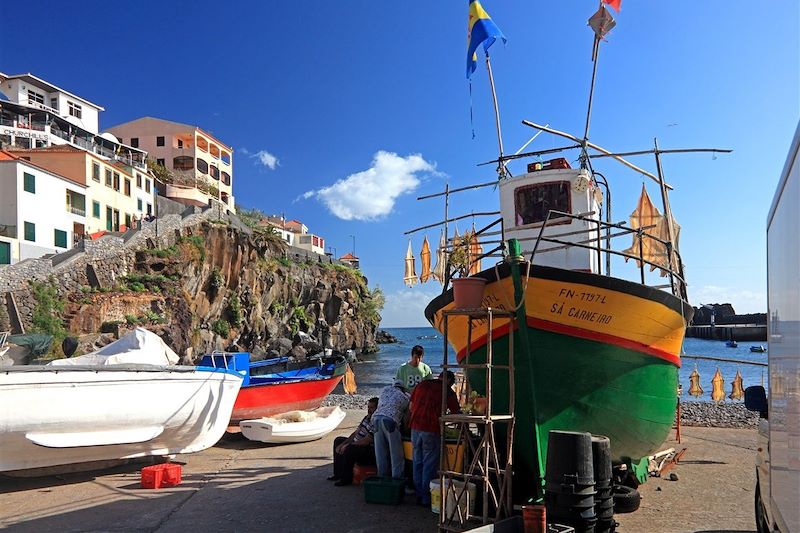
736	332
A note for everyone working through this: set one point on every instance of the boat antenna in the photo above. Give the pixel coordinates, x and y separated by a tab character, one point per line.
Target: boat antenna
601	22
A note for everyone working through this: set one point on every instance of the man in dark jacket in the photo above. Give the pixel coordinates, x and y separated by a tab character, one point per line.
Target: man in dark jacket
357	448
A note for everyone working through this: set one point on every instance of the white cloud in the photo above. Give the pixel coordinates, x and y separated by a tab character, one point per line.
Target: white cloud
743	301
371	194
406	308
263	157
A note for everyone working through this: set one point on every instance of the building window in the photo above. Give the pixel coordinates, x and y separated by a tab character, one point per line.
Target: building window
160	141
96	209
109	219
127	187
96	172
135	142
149	209
30	231
116	181
139	204
121	140
138	180
214	172
534	202
108	177
160	162
74	109
54	103
147	186
180	143
202	166
29	183
35	98
226	178
183	162
127	220
60	238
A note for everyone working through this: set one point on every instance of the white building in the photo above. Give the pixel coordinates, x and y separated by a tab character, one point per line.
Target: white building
37	114
40	212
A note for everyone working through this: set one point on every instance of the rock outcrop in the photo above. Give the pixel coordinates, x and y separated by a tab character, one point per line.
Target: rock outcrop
218	288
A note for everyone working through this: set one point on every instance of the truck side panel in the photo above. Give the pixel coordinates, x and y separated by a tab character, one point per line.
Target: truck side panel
783	292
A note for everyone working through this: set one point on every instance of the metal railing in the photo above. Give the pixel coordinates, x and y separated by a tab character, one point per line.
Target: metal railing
673	266
76	211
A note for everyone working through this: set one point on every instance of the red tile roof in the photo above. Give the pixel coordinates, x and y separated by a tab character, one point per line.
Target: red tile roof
348	256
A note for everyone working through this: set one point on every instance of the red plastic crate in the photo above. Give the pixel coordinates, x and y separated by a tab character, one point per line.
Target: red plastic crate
360	473
163	475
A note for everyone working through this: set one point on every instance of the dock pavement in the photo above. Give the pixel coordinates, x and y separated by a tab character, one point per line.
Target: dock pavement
239	485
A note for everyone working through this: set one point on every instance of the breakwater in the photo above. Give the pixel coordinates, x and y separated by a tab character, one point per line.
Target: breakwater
736	332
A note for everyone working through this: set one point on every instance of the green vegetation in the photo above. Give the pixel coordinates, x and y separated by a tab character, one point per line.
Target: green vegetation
221	328
298	320
149	317
276	308
215	281
196	241
370	307
47	311
284	261
164	252
235	310
161	172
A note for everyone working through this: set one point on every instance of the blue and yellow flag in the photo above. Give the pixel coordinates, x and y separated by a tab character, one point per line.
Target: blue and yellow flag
480	30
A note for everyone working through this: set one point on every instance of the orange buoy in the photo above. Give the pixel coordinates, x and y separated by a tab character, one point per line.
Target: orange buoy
694	387
737	387
717	387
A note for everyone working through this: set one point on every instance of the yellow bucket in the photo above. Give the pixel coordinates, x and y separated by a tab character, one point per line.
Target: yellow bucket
436	496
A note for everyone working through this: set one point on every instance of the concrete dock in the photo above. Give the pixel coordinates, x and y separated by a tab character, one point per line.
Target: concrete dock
243	486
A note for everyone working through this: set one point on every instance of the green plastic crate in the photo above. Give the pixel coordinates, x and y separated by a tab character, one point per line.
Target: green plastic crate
384	490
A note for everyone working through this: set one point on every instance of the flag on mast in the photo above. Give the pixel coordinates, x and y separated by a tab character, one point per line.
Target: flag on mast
481	30
616	4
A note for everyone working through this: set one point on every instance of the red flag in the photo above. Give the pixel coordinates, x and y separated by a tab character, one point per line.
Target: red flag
616	4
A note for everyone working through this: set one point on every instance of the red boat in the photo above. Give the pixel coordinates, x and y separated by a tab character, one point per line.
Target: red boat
275	386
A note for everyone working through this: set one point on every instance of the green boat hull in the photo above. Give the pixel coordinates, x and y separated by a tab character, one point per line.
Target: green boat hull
580	385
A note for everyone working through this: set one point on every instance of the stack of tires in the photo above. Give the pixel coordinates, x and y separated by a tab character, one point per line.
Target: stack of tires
604	495
569	480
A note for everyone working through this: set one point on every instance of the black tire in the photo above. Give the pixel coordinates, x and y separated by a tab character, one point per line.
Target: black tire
626	499
761	518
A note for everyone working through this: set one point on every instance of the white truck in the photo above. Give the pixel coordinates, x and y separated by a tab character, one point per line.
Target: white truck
777	494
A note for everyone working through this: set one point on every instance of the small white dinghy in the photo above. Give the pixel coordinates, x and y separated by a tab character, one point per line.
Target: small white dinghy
294	426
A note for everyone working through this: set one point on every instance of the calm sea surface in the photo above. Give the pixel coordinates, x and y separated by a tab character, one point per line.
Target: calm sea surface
377	370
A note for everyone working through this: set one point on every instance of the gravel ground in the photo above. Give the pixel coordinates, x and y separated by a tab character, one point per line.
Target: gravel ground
702	414
717	415
346	401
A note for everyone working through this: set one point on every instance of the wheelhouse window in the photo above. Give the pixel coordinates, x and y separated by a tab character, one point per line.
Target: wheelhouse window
533	202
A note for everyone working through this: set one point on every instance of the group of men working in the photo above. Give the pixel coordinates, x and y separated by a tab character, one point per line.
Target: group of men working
413	401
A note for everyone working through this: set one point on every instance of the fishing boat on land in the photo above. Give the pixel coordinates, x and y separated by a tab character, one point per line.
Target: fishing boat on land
294	426
278	385
592	352
78	413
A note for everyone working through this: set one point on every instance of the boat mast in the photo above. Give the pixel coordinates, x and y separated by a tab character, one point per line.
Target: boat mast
502	171
673	263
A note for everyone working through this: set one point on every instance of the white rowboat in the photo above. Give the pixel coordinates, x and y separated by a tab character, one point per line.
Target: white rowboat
294	426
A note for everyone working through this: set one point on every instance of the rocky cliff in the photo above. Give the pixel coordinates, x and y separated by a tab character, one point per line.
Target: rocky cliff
212	286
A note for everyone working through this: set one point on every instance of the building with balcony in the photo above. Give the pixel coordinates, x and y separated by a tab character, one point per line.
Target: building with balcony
116	193
201	164
37	114
41	212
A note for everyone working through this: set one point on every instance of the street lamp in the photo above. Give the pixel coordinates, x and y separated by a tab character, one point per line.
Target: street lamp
354	245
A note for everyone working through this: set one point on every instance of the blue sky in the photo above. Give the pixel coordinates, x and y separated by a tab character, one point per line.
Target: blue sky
358	107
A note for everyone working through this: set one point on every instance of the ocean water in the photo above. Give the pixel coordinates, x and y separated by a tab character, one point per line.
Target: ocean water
377	370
